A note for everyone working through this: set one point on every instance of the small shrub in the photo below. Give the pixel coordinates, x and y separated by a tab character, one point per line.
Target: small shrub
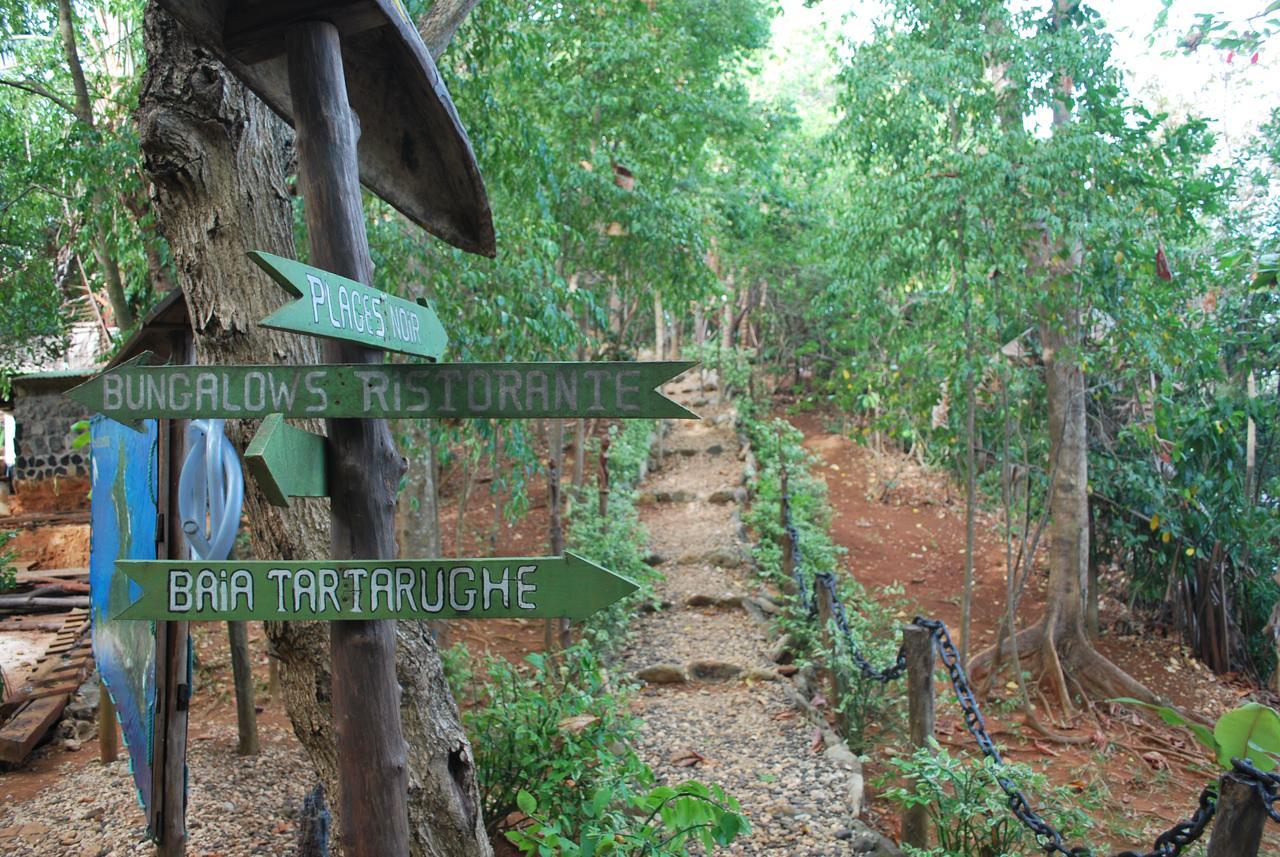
555	729
660	822
8	574
968	810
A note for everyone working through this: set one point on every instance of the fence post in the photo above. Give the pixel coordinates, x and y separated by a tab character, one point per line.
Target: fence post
788	549
108	737
1239	822
838	686
918	644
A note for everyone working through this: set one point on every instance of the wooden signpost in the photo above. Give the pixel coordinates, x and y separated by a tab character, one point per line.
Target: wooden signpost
492	588
312	63
335	307
133	391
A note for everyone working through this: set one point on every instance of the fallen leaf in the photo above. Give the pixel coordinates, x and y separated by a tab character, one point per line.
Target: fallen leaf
575	725
689	759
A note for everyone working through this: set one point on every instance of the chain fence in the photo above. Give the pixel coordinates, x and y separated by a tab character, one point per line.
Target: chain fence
1168	844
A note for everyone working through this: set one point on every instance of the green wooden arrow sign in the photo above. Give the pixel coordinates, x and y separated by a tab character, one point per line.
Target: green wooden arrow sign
496	588
287	462
335	307
133	391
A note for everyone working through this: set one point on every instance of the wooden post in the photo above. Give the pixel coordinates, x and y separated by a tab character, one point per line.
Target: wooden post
604	481
555	439
788	549
918	643
838	686
108	735
242	674
173	654
364	466
1240	820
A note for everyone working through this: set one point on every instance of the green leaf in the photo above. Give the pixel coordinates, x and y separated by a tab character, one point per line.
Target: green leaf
1251	732
525	801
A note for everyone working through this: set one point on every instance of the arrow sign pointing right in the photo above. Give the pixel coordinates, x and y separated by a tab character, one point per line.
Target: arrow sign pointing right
494	588
133	390
335	307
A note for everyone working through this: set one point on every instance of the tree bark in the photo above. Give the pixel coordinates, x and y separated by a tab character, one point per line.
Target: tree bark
219	161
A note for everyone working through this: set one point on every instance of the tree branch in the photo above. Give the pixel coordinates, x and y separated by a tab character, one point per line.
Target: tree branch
36	88
441	21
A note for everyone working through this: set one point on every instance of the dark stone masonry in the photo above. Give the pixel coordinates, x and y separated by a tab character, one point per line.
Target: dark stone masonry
44	418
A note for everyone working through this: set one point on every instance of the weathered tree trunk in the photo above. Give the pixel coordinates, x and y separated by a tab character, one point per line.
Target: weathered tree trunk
219	160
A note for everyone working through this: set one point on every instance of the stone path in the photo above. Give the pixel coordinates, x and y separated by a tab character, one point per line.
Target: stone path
714	694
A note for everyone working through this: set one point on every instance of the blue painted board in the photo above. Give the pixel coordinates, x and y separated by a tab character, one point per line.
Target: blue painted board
124	519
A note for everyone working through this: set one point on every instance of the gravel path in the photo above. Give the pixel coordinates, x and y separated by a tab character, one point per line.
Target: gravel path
754	742
237	805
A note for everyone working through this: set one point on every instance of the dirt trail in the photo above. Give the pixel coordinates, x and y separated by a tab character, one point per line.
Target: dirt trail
903	524
716	709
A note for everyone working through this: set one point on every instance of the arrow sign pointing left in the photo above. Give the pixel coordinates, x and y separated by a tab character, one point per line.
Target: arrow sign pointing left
133	390
493	588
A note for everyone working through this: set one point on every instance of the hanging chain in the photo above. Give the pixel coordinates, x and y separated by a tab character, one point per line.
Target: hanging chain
1168	844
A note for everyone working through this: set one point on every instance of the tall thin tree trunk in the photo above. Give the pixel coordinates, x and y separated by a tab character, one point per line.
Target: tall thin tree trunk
555	441
219	161
84	113
970	470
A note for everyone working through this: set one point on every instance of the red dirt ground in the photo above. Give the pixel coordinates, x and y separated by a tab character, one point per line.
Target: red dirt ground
903	524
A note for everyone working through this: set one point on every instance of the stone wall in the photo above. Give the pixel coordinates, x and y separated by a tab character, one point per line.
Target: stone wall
44	418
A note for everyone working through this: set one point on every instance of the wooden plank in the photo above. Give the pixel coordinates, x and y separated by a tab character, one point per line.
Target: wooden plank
22	732
279	590
331	306
133	391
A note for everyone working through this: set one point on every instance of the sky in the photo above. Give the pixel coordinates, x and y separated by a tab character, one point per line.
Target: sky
1236	95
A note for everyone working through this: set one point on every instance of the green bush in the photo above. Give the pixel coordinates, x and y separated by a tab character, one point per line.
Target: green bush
555	729
969	812
659	822
8	574
778	445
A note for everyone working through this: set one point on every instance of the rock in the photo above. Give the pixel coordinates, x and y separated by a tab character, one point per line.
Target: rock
729	601
865	842
662	674
764	605
715	449
781	652
841	755
713	670
756	674
722	496
724	558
